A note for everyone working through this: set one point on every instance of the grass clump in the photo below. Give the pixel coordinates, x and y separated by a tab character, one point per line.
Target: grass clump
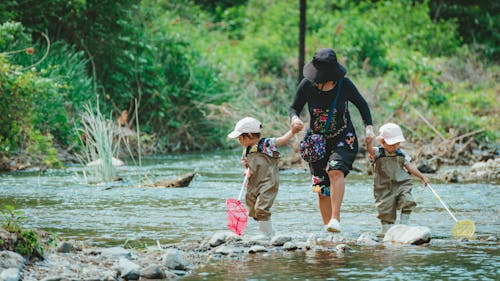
99	144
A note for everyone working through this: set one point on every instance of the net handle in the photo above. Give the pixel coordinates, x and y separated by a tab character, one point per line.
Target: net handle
245	182
442	202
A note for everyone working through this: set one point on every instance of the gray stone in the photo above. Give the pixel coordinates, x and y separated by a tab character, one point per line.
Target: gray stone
491	238
257	249
11	274
173	259
64	247
280	240
128	269
52	278
116	252
228	250
258	239
179	272
405	234
217	239
342	248
153	271
367	238
290	246
12	260
171	275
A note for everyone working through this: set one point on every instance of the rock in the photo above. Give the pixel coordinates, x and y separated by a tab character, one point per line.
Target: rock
429	166
116	252
367	238
486	170
342	248
405	234
9	240
492	239
153	271
128	269
181	181
173	260
217	239
52	278
258	239
257	249
290	246
11	274
64	247
10	259
280	240
169	275
99	162
228	250
452	176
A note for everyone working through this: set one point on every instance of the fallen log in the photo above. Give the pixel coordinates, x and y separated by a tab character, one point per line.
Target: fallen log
181	181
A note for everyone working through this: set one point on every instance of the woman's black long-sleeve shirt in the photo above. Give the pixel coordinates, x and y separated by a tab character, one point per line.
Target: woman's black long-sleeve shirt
319	103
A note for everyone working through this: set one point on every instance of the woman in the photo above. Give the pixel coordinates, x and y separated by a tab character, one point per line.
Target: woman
323	87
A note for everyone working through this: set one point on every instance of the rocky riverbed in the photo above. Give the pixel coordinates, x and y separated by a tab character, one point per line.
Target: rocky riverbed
75	261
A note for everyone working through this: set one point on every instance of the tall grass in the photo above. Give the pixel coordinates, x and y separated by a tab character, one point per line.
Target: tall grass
98	136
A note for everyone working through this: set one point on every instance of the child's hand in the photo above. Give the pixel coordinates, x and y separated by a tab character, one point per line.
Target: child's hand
369	132
296	124
369	140
425	180
249	173
296	127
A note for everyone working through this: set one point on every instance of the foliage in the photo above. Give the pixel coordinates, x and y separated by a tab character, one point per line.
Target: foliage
12	219
478	23
28	243
194	66
39	104
135	244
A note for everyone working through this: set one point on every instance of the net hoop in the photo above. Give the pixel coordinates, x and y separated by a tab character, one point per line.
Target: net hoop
464	229
237	217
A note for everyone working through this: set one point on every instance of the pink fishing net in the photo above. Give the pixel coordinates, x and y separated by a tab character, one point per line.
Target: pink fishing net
237	217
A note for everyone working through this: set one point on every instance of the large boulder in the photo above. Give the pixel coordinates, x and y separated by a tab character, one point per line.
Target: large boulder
406	234
181	181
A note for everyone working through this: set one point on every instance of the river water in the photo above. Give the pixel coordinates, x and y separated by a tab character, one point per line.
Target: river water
111	214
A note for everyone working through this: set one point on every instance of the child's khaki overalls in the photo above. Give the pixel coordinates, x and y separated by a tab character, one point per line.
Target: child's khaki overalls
391	186
263	185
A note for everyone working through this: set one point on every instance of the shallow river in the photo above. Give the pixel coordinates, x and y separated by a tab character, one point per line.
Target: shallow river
111	214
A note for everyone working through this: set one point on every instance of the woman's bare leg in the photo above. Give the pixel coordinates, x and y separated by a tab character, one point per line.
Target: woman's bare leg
325	208
337	187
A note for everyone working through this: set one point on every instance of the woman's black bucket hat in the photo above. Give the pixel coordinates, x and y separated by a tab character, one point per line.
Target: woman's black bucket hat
324	67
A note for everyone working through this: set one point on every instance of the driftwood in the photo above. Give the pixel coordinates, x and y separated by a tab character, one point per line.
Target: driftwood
181	181
453	150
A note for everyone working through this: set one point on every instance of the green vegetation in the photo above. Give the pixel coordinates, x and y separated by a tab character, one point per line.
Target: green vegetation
98	144
194	67
28	243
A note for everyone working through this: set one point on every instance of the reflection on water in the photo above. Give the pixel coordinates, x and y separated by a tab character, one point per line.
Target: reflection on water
455	262
111	214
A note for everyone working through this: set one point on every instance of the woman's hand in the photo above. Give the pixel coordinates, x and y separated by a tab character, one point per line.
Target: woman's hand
369	134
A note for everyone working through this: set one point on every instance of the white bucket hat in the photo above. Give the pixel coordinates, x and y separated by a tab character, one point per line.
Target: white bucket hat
245	125
391	133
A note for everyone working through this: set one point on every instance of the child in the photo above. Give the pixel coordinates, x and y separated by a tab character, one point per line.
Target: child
392	182
260	155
